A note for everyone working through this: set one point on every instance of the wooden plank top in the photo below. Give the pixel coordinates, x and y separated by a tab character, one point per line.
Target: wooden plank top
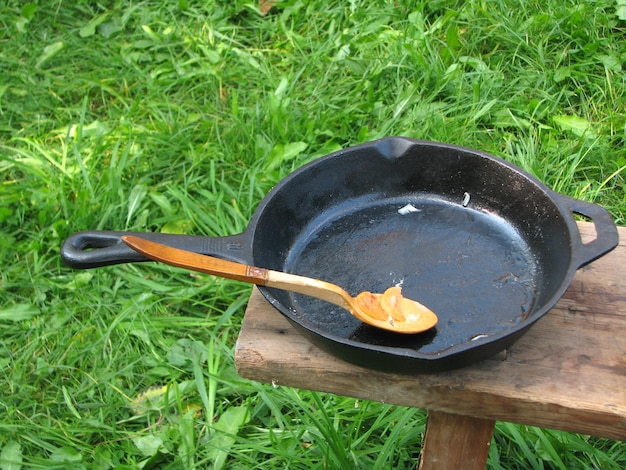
568	372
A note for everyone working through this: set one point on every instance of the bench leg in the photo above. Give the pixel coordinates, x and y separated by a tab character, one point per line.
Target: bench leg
454	442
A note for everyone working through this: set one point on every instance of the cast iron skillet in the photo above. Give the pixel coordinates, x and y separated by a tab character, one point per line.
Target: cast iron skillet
486	246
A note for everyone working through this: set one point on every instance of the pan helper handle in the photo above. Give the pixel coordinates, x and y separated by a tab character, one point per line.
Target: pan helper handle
607	236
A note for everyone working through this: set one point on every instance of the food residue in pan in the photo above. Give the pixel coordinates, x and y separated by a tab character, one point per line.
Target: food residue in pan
477	337
408	209
505	279
466	199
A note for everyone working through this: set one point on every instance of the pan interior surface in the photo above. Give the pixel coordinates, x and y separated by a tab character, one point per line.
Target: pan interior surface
471	267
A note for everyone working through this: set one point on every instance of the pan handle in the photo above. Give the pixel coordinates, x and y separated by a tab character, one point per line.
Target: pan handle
94	249
607	236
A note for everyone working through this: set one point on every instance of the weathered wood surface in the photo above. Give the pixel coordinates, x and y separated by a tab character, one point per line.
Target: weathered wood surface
568	372
455	442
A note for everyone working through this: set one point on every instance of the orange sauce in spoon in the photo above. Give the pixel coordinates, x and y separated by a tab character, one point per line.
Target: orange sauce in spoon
395	309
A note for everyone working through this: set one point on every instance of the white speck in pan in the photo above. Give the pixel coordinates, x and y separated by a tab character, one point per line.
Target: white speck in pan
479	336
408	209
466	199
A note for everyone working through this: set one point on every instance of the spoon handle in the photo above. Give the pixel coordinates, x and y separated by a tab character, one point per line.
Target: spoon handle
312	287
239	272
195	262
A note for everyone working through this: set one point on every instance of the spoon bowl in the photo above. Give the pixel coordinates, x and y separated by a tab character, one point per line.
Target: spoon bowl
389	311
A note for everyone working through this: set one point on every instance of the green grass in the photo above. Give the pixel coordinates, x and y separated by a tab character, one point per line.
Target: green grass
180	116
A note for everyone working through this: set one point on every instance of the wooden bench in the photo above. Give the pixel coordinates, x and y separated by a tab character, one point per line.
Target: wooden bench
568	372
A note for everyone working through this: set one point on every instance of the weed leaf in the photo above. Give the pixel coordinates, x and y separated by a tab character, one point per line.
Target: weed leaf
562	73
79	280
228	426
186	351
134	200
66	454
611	62
18	312
29	10
90	28
576	124
49	52
70	405
11	456
148	445
283	153
621	9
110	27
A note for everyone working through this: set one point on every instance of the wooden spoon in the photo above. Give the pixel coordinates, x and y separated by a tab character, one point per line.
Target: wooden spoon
389	311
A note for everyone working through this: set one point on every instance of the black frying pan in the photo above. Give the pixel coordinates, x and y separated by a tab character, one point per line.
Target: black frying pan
486	246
